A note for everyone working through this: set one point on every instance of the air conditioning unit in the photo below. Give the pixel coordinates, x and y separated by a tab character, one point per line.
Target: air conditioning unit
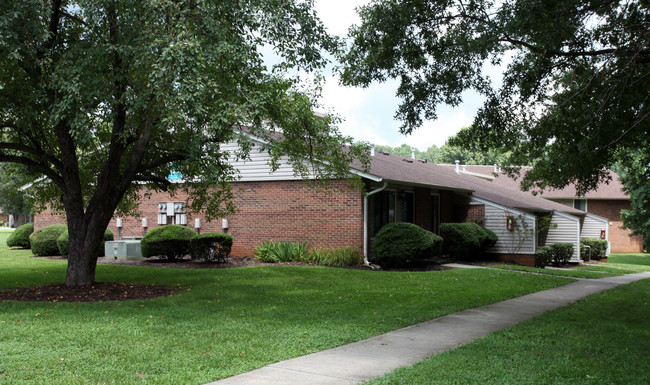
179	207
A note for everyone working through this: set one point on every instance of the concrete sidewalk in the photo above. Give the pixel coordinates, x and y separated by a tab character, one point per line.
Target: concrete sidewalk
368	359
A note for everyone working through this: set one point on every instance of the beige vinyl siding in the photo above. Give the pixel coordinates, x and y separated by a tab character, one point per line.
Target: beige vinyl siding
522	240
592	225
565	228
258	168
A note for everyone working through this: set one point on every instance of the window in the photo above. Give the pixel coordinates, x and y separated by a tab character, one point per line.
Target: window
435	214
580	204
407	206
382	210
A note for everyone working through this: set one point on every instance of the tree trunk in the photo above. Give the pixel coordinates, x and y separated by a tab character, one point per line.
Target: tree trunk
81	267
86	235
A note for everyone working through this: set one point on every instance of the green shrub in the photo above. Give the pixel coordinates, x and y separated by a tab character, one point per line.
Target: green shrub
543	256
466	241
561	252
211	246
488	239
336	257
20	236
169	241
43	241
63	241
598	248
400	243
282	251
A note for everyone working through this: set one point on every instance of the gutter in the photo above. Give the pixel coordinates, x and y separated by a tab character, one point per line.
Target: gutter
365	224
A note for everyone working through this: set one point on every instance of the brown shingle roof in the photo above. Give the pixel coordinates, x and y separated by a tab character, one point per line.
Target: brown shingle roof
396	168
611	190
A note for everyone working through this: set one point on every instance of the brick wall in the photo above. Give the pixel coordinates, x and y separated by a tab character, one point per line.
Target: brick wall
470	213
518	259
476	214
47	218
281	210
621	240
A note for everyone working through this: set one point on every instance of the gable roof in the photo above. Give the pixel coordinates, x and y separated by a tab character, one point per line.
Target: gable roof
395	168
612	190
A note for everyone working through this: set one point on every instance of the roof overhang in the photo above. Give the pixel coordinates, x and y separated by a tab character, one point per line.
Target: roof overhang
414	184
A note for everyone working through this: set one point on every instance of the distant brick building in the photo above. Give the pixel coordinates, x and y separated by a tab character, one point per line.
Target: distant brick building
607	201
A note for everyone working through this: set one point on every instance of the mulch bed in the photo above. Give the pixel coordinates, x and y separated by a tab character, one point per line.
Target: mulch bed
115	291
97	292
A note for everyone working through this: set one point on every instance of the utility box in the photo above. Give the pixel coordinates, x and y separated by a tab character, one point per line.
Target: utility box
128	249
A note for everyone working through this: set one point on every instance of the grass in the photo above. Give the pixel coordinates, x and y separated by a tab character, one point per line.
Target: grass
618	264
630	259
223	321
601	339
564	273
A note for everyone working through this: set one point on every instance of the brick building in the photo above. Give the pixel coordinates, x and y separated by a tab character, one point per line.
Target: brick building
607	201
281	206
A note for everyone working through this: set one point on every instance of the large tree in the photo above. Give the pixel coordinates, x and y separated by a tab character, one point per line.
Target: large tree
106	98
575	83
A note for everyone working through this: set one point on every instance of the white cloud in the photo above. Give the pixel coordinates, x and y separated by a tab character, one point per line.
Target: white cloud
338	15
368	113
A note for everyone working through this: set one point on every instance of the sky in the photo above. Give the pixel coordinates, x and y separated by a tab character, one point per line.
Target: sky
369	113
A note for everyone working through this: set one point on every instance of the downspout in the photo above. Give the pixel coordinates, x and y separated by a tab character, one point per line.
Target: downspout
365	223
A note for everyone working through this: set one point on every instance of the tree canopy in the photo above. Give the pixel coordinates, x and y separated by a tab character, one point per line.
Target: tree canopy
106	97
634	170
576	76
14	200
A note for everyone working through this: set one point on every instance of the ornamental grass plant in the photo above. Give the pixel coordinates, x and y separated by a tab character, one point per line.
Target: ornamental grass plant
281	251
335	257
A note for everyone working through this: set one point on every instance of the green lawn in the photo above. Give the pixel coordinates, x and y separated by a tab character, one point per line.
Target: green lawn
595	272
223	321
601	339
630	259
618	264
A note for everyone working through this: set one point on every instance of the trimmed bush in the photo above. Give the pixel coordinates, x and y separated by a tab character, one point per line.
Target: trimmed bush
337	257
598	248
543	256
282	251
168	241
20	236
211	246
466	241
561	252
43	241
489	238
63	241
400	243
